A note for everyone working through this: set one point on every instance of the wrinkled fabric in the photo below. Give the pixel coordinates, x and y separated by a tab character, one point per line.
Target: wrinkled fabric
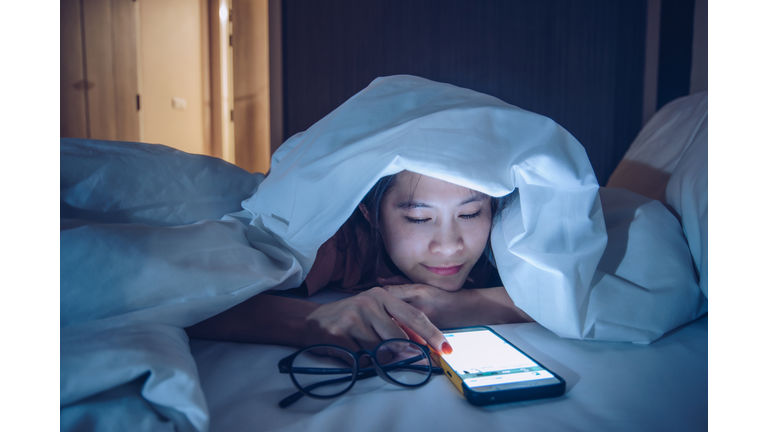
550	239
688	194
668	161
153	239
554	234
150	242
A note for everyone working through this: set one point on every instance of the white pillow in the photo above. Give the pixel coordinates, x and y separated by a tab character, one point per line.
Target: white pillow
687	194
668	162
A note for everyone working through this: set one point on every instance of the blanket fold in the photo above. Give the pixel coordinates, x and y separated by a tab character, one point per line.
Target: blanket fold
153	239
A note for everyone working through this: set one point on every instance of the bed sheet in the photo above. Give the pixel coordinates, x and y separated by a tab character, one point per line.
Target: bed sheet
149	245
610	386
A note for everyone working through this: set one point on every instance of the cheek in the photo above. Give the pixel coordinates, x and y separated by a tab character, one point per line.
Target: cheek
403	243
476	237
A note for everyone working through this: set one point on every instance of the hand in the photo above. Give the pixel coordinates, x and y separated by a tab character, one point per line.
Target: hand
465	307
437	304
363	321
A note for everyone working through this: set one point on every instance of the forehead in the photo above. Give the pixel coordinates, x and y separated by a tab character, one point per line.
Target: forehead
417	188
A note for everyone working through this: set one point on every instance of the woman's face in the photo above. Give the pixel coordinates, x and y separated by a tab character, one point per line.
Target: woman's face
434	231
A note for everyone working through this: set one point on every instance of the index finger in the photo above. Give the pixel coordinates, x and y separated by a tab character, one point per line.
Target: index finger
410	333
417	322
398	291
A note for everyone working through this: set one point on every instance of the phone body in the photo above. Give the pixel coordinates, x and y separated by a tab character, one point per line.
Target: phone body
488	369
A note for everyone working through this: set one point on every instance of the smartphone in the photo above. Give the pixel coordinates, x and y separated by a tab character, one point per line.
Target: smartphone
488	369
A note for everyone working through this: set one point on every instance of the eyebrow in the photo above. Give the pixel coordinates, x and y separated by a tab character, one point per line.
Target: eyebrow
418	204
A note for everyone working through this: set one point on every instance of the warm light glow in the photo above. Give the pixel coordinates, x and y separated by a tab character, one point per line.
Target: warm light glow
228	139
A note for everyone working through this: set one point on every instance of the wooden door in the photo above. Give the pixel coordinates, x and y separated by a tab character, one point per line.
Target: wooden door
251	86
72	85
99	70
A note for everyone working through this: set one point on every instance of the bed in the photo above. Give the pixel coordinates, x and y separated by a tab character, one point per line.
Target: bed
148	380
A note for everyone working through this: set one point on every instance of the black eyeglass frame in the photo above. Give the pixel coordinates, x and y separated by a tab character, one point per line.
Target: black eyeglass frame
355	373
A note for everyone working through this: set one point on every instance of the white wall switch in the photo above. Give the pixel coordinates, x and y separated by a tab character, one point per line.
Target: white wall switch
179	103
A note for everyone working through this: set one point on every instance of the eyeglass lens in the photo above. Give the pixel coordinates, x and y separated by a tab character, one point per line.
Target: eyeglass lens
326	371
404	362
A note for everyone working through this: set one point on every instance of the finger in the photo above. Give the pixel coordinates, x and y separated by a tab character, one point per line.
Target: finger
394	280
337	353
411	334
377	325
370	342
386	327
398	291
366	337
394	351
407	293
418	322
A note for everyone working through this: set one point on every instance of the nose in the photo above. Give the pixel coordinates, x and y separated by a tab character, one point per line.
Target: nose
447	239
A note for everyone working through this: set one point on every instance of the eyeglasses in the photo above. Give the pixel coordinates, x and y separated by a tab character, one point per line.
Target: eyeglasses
328	371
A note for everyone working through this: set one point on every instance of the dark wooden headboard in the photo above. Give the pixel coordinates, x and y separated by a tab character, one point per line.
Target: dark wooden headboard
579	62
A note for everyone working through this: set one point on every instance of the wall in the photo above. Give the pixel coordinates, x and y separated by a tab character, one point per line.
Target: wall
250	43
171	66
580	63
652	33
699	67
676	41
679	61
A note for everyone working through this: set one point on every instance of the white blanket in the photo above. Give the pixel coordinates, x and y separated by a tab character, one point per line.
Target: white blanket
668	161
153	240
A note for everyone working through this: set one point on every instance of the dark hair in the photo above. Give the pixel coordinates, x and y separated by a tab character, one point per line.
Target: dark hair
371	258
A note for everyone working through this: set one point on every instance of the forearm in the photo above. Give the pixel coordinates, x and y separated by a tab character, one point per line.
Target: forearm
263	318
486	306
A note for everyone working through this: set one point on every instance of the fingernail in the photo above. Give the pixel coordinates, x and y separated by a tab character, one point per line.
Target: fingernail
446	348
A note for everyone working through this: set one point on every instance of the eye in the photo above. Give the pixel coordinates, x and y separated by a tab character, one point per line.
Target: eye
416	221
471	216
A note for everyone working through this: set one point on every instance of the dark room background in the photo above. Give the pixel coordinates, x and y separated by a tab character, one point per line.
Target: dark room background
581	63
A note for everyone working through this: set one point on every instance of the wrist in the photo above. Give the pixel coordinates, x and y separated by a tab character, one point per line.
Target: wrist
455	309
481	306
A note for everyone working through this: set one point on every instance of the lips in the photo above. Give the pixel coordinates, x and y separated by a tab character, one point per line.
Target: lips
444	271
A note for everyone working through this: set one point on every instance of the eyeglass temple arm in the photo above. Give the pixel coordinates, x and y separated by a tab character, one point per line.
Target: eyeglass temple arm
407	364
423	368
291	399
284	365
286	368
365	374
298	395
319	371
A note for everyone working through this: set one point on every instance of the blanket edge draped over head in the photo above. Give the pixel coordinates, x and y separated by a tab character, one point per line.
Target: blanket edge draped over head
547	244
153	239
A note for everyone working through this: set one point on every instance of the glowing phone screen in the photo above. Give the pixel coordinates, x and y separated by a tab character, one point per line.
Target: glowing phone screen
481	358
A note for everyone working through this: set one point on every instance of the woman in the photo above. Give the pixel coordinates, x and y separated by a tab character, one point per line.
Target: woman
414	240
154	240
432	156
411	162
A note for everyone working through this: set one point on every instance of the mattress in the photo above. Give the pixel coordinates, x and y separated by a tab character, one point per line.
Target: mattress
609	386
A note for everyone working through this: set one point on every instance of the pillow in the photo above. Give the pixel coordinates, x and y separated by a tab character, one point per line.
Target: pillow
658	148
668	162
687	195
